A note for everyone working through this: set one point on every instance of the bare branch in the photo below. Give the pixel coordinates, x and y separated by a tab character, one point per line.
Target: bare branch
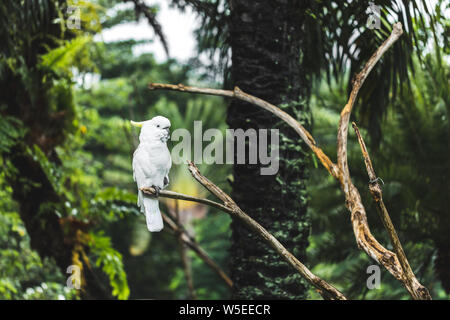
185	237
193	245
187	267
353	202
141	7
175	195
239	94
326	290
346	112
413	285
364	238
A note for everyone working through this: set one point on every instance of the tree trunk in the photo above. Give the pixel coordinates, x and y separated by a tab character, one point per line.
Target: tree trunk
442	264
266	43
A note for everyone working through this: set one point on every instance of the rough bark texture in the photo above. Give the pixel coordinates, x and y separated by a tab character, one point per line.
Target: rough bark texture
442	264
265	43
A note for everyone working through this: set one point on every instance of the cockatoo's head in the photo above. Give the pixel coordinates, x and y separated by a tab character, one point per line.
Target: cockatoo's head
154	129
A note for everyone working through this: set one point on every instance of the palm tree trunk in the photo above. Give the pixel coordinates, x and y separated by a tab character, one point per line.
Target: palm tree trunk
266	44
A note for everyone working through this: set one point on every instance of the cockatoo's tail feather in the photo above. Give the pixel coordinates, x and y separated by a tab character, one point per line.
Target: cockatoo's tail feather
140	201
153	215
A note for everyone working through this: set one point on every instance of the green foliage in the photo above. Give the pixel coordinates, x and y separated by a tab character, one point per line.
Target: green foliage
50	170
77	52
40	124
11	131
336	39
105	110
111	262
213	234
23	274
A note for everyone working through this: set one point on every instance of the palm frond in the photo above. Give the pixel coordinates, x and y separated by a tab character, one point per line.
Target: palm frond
336	39
150	14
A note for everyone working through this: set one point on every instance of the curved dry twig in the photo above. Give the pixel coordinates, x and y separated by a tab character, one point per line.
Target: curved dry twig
377	194
326	290
180	196
241	95
353	201
358	81
184	235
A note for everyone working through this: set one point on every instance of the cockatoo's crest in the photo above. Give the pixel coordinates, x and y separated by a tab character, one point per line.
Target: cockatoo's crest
154	129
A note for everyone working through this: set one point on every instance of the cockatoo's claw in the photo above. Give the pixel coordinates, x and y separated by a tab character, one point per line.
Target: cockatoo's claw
157	190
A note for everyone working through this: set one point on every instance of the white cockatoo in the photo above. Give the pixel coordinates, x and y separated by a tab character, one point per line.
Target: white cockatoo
151	165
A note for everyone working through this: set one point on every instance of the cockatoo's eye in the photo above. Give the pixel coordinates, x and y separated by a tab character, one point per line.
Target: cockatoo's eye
157	125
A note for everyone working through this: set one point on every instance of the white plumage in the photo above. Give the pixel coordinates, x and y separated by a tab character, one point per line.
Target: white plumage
151	165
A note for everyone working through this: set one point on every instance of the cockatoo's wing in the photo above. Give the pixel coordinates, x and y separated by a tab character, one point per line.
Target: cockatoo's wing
166	174
146	174
139	174
143	169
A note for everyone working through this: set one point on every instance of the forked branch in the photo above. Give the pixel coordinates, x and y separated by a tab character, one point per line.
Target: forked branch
377	195
365	240
326	290
241	95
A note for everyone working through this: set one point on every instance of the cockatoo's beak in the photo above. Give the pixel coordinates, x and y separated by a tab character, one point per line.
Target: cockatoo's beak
137	124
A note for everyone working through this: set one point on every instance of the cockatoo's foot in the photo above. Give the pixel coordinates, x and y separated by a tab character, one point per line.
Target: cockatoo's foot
157	190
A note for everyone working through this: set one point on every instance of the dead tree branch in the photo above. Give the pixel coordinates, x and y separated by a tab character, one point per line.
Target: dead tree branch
241	95
326	290
187	267
347	110
194	246
377	195
365	240
185	237
180	196
353	202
